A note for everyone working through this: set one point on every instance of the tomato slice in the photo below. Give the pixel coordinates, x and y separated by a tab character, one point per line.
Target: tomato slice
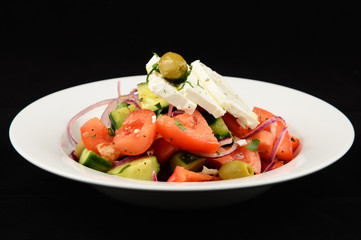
265	145
181	174
262	114
136	134
188	132
241	154
277	165
234	126
285	150
295	143
163	150
94	132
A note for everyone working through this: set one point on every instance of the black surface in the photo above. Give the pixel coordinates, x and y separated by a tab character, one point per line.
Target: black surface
48	47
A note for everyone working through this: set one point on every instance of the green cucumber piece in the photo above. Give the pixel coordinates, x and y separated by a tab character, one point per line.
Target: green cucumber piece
118	116
141	169
148	100
92	160
186	160
219	128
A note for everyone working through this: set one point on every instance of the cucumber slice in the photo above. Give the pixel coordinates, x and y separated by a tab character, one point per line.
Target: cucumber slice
220	129
79	149
141	169
186	160
148	100
118	116
92	160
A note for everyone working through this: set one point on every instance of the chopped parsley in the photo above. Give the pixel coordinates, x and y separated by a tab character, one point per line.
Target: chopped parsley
121	105
155	67
111	132
253	146
180	125
190	84
125	167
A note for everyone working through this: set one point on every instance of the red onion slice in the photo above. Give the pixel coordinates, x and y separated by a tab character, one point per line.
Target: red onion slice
264	125
118	88
170	110
177	112
154	175
225	141
130	98
105	116
273	159
74	156
71	135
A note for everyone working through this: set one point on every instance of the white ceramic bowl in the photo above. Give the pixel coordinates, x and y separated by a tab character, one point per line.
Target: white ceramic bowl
38	133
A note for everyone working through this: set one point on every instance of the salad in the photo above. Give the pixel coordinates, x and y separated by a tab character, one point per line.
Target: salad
182	124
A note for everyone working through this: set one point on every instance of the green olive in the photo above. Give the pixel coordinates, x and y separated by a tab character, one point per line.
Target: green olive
235	169
172	66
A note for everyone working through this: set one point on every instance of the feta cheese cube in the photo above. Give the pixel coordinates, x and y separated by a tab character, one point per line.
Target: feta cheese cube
194	91
170	93
224	95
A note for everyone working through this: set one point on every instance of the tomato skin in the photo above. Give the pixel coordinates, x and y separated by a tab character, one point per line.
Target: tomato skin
136	134
295	143
263	115
241	154
188	132
181	174
234	126
265	145
94	132
277	165
163	150
285	150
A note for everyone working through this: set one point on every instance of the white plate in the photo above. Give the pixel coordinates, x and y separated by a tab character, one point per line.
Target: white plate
38	133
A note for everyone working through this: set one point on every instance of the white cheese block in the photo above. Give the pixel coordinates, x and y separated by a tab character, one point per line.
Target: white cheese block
194	91
170	93
151	62
224	95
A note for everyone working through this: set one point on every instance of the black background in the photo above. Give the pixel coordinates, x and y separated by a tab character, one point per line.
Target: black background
47	46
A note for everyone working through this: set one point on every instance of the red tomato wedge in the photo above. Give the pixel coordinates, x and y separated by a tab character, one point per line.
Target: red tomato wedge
265	145
188	132
94	132
285	150
241	154
234	126
277	165
295	143
136	134
163	150
262	114
181	174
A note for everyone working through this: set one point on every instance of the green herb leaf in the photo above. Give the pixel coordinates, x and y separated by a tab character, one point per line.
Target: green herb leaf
189	83
180	125
125	167
121	105
154	68
253	146
111	131
181	87
199	84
